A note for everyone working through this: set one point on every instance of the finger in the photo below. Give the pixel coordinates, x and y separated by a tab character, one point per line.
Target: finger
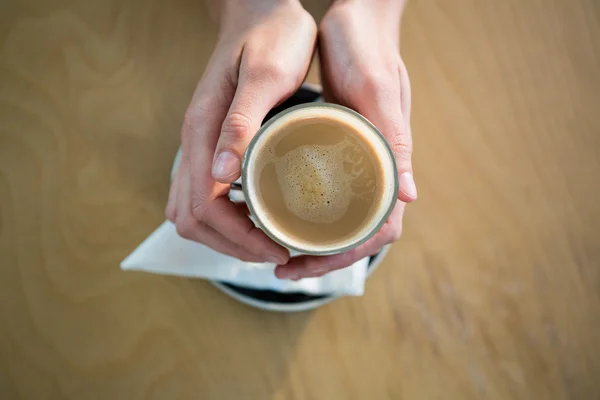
211	206
405	92
313	266
243	208
171	208
201	233
200	133
385	106
234	224
260	88
189	228
405	103
209	202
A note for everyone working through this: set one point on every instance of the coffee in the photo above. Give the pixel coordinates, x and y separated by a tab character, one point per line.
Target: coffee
321	178
320	182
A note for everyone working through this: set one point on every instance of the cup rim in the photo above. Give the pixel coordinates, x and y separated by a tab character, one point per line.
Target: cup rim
307	251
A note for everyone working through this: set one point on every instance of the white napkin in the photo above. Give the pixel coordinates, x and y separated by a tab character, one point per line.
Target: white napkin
165	252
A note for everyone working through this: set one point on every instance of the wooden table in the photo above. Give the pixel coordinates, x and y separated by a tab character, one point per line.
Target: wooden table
492	293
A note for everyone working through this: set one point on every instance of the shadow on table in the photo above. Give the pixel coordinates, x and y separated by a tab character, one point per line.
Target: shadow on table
253	350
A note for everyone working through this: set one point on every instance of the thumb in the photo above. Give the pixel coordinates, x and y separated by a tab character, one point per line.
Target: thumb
401	144
388	117
256	94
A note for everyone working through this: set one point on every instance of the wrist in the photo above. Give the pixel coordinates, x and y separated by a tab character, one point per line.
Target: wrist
367	17
221	9
393	5
237	15
385	9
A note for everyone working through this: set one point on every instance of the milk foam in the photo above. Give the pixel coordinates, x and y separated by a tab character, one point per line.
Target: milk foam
318	181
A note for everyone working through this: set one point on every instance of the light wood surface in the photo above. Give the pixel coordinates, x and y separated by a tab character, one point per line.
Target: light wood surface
492	293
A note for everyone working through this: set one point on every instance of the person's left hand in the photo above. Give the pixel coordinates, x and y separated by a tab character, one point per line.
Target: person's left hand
261	57
362	69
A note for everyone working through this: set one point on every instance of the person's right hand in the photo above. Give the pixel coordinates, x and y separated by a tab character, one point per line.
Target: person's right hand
261	58
361	68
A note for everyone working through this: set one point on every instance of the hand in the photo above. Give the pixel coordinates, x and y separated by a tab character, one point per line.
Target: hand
362	69
261	58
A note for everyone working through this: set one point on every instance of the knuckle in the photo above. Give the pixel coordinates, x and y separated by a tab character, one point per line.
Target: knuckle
374	251
276	73
395	231
236	126
188	125
247	257
190	117
185	228
200	202
271	71
400	142
170	213
401	148
195	112
199	208
318	274
373	82
309	22
194	116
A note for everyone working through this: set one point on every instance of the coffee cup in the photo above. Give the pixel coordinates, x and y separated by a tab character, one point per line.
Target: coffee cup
319	179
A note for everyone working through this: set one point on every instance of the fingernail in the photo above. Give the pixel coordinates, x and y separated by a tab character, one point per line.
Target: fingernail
226	165
276	260
289	274
407	185
320	270
295	276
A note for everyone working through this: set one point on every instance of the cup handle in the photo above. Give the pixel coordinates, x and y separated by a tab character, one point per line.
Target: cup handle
236	193
236	186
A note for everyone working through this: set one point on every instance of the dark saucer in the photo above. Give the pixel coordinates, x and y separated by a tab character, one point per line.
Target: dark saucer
287	302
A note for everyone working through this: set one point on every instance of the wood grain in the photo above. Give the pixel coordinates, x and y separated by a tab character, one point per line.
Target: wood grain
493	292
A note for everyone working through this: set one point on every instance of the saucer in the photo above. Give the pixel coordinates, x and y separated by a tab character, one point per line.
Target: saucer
288	302
276	301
